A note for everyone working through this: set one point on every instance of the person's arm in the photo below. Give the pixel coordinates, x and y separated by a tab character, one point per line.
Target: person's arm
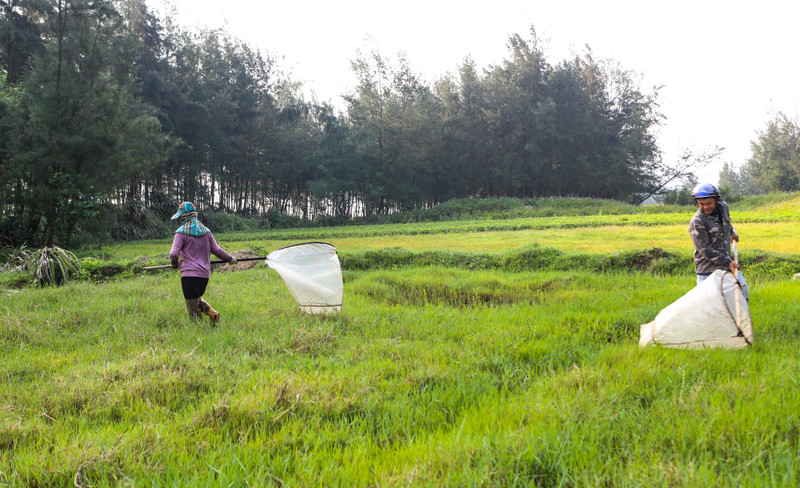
175	251
217	251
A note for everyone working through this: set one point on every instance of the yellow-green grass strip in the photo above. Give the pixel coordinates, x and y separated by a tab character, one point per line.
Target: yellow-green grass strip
780	237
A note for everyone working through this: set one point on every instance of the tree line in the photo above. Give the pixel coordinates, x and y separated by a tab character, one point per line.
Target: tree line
111	115
775	163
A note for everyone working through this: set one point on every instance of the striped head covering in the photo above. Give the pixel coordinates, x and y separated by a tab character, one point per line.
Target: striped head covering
187	215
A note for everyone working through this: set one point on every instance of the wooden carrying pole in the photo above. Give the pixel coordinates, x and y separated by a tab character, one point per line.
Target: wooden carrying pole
165	266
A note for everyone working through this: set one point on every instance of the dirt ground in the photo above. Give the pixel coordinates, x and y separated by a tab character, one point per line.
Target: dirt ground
227	268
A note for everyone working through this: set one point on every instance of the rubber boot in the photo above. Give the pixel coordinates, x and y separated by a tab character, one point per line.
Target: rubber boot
213	315
193	307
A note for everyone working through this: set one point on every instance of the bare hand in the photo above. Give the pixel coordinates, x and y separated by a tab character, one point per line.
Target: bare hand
734	266
734	237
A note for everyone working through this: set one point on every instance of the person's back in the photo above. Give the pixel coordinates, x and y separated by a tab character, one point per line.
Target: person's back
194	252
192	245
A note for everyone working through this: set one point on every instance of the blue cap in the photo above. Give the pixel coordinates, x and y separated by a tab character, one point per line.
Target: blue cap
185	208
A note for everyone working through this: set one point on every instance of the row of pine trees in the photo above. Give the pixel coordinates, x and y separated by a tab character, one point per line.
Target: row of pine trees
111	113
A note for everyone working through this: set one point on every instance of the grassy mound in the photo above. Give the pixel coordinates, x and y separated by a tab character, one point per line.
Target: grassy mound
760	264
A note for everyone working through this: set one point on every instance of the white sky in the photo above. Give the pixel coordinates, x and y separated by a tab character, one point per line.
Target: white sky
725	68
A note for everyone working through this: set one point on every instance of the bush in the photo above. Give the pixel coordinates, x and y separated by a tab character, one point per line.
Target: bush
275	219
682	196
765	264
96	270
134	221
220	222
14	259
531	258
52	266
332	220
654	260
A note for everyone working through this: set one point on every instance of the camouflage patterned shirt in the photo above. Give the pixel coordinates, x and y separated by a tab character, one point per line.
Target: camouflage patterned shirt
711	235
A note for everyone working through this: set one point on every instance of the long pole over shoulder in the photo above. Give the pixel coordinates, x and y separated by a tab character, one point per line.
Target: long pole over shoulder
240	260
165	266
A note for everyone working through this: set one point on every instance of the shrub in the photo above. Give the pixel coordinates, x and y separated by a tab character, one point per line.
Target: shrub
224	222
275	219
531	258
332	220
97	270
52	266
654	260
135	222
769	265
14	259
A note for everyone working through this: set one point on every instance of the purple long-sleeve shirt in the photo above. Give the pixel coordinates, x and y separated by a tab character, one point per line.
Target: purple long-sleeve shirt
194	253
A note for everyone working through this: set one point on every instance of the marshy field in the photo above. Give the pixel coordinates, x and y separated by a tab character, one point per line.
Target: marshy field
492	347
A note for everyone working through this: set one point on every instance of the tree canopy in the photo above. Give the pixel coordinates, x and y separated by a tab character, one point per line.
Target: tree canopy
117	115
775	163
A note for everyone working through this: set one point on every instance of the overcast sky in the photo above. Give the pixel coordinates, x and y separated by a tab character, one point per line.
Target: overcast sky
724	68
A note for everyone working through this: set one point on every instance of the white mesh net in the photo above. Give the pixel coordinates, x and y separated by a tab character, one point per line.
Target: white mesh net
313	275
712	314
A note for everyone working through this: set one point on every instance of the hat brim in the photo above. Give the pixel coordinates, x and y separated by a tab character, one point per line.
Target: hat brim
185	208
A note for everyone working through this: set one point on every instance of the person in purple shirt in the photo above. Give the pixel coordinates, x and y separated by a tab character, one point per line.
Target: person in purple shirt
191	249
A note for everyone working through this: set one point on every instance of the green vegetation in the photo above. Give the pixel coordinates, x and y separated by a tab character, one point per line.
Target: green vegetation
117	113
52	266
448	366
436	376
775	163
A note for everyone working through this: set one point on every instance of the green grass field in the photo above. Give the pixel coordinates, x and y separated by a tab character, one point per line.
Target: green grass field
450	373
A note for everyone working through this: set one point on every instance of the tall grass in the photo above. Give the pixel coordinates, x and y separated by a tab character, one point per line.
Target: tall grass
490	363
430	376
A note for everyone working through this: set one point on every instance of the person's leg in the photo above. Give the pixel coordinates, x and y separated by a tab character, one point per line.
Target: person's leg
739	278
213	315
743	286
193	289
193	307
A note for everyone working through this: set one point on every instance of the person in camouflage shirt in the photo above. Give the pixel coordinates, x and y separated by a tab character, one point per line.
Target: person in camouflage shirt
712	233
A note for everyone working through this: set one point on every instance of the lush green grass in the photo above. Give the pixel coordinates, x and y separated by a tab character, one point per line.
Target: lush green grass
483	357
430	377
